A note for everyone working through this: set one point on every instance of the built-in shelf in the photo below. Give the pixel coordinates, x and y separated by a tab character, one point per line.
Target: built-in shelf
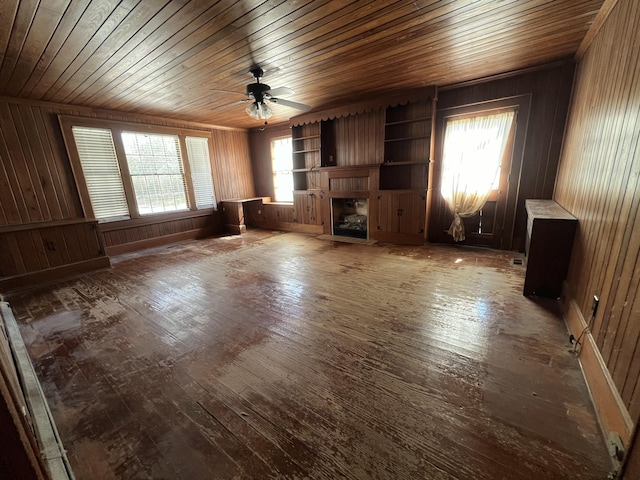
308	190
307	151
407	146
405	139
314	147
396	190
402	191
410	120
306	138
351	168
395	164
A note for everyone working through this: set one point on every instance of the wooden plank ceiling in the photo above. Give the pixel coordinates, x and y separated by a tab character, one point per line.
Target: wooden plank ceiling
190	60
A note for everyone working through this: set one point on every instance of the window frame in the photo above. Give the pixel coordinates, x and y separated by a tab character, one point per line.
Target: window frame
273	171
509	215
67	122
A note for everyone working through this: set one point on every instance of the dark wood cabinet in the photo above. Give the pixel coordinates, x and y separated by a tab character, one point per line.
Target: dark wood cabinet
401	217
307	207
550	232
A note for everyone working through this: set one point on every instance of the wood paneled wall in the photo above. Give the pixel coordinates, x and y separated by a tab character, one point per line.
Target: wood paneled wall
38	191
599	183
233	174
360	138
260	142
43	246
129	236
36	180
36	183
550	91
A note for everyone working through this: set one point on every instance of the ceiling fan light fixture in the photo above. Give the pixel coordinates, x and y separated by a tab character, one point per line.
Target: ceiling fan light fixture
259	111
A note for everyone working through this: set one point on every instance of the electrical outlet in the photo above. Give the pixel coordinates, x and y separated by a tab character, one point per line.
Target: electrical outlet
594	305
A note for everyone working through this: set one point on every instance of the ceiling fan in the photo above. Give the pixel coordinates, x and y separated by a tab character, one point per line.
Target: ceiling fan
261	93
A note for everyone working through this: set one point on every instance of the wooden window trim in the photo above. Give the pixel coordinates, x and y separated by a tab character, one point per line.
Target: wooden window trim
67	122
522	106
273	172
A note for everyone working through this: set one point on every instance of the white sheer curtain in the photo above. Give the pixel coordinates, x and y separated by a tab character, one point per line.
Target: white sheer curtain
472	154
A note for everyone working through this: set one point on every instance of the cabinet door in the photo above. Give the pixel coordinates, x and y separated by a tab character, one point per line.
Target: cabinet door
307	208
388	219
401	217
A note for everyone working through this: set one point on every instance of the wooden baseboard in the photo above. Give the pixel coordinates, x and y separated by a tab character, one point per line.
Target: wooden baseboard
290	227
400	238
612	413
158	241
28	280
235	229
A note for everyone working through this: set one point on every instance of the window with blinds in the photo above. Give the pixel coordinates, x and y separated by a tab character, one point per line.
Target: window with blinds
155	166
101	173
128	173
200	165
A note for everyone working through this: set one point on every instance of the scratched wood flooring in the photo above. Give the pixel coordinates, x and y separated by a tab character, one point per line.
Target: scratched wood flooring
280	355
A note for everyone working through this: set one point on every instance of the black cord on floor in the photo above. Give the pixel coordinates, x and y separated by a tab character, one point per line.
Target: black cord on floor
585	330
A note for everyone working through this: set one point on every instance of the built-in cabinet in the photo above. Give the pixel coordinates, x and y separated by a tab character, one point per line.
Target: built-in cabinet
307	207
378	156
404	175
401	217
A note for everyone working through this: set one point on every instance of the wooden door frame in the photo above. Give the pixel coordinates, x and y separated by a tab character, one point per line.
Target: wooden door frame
522	105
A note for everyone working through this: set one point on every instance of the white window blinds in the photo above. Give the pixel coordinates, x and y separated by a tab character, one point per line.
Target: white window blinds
156	172
101	172
200	164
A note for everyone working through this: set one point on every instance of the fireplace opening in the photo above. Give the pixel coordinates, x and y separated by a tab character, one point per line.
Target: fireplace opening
349	217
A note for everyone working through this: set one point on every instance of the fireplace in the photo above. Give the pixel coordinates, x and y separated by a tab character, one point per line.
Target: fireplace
349	217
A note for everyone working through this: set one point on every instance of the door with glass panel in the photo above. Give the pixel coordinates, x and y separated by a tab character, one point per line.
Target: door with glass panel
474	160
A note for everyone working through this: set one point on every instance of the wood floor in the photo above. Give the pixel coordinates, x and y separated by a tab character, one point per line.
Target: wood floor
280	355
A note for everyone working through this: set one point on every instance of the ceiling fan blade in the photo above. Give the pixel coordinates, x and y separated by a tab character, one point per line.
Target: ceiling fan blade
289	103
280	92
227	91
237	102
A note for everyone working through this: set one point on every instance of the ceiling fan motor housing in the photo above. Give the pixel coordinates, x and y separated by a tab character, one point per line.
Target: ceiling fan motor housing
256	90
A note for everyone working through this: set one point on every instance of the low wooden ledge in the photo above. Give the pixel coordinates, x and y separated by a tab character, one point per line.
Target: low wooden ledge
39	225
50	275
